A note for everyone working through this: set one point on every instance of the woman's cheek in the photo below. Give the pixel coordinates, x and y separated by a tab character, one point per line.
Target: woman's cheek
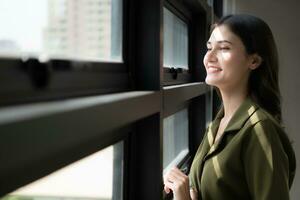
226	57
205	60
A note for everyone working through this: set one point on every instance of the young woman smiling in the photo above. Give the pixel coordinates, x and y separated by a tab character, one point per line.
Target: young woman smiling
245	153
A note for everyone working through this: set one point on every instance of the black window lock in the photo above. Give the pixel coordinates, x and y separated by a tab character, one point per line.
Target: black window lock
38	72
175	71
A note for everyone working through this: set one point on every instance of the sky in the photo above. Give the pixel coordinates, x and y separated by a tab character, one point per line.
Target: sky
23	22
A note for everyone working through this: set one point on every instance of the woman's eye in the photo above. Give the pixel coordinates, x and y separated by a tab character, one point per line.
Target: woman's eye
221	48
225	48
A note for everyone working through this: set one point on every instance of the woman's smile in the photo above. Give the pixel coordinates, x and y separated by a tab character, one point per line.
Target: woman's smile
213	69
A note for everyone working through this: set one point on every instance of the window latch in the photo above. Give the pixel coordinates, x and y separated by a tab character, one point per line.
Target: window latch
38	72
175	71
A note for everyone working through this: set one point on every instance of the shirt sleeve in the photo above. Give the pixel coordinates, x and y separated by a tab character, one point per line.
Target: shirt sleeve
266	163
194	171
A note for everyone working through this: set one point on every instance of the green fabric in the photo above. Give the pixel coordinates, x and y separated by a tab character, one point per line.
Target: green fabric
253	159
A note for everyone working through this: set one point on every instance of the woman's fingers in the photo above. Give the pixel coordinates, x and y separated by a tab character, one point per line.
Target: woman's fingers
179	177
168	180
168	187
174	177
193	194
176	181
178	172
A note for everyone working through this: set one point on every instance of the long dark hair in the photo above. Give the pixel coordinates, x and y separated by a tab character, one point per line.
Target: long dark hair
257	37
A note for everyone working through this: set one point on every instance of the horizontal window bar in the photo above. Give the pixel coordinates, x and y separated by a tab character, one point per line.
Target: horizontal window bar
33	80
179	94
39	134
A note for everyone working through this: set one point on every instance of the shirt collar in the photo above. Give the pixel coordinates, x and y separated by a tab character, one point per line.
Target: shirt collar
239	118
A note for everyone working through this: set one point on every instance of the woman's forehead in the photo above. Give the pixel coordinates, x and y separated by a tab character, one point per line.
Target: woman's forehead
222	33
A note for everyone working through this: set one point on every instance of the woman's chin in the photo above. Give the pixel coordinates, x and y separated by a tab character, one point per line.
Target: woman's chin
210	81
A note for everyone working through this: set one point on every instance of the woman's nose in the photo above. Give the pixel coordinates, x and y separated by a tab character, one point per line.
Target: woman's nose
211	56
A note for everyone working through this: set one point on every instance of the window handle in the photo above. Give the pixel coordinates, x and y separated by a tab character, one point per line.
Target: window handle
38	72
175	71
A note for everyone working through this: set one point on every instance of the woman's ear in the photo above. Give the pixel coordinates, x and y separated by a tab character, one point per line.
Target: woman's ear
256	60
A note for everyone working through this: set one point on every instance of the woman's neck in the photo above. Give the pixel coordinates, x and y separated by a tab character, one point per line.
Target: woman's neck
232	99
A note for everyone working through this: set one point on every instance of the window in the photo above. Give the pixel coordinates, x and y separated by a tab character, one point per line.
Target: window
46	29
184	92
175	41
175	138
175	47
59	48
94	177
64	98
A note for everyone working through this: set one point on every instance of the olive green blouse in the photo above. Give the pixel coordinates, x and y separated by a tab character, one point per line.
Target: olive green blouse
252	160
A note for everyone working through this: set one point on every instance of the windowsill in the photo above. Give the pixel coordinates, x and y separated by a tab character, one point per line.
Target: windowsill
177	160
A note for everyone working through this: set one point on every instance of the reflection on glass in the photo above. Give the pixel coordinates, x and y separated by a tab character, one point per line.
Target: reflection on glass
175	136
96	177
175	41
83	29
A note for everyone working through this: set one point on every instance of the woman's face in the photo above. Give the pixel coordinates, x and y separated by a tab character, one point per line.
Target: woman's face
226	61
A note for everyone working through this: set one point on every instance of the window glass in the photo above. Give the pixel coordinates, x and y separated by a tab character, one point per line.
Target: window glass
75	29
175	41
96	177
175	137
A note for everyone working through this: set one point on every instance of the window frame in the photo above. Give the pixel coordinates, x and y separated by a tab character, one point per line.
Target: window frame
43	81
173	75
199	106
134	115
178	97
76	139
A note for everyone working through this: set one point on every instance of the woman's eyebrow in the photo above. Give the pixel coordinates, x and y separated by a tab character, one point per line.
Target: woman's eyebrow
220	41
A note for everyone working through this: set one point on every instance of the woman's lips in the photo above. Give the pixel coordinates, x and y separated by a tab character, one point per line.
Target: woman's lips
213	69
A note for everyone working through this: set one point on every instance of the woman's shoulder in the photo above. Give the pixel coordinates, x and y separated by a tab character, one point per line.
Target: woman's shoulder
262	117
262	127
263	124
265	129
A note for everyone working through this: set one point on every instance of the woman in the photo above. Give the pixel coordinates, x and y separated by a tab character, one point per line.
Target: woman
245	153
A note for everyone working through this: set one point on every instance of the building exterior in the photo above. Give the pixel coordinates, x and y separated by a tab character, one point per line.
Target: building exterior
78	28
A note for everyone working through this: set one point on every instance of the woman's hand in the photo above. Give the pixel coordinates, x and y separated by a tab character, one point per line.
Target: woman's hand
178	182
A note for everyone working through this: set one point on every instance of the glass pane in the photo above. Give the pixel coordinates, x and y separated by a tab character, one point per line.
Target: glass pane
96	177
71	29
175	136
175	41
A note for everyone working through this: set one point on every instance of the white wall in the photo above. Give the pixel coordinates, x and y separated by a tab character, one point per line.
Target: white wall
282	17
